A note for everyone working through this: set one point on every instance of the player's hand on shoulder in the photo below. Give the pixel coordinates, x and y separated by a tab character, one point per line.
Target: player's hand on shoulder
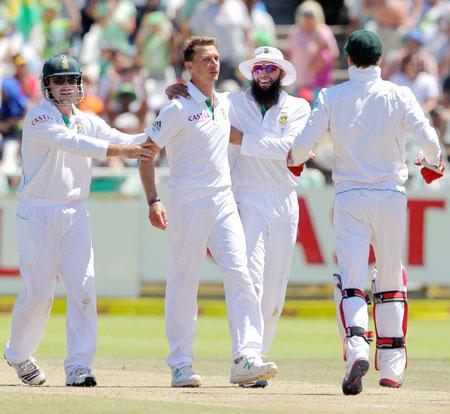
176	90
158	215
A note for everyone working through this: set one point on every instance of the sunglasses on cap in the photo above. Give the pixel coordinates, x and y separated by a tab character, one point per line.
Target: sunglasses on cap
70	79
270	68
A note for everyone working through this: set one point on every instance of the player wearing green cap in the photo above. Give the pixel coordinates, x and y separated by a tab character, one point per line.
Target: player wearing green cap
368	120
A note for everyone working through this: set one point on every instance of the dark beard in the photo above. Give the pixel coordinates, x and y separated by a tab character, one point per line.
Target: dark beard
267	97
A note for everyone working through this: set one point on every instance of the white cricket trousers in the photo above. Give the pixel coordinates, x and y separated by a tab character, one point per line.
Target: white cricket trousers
362	217
54	243
270	221
211	222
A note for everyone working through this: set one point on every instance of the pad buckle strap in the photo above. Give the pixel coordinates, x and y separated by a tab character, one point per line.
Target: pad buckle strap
391	343
392	296
350	293
358	331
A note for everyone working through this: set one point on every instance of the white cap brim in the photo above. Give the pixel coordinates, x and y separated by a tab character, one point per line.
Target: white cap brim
290	77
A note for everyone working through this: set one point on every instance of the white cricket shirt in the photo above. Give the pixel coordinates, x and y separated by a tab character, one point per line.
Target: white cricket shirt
368	120
56	159
260	161
196	144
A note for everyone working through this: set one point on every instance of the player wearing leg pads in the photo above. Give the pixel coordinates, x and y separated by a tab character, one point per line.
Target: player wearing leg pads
351	311
390	313
368	120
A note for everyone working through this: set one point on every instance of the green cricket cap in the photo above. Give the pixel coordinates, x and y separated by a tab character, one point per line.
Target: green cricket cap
363	43
60	65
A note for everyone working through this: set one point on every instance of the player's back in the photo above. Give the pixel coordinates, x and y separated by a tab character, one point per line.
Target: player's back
367	128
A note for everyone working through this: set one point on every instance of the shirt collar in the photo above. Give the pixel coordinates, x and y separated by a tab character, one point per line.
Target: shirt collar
198	96
364	74
52	108
195	93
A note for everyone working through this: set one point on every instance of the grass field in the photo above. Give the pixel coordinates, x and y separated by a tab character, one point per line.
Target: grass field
133	377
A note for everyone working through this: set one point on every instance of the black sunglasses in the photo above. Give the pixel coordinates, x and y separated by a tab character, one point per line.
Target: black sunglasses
70	79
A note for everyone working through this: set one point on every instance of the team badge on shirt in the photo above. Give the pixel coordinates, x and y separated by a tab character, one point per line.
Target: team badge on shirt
283	118
156	126
224	113
80	128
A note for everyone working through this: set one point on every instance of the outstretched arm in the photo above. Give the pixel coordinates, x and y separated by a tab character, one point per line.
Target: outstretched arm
262	144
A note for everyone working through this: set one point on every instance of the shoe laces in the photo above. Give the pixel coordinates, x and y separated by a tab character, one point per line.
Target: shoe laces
27	366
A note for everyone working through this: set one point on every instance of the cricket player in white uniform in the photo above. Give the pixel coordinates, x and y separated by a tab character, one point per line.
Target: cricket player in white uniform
368	120
265	121
53	232
202	213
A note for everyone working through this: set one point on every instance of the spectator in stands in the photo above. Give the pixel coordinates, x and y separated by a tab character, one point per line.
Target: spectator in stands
153	43
118	20
126	101
312	47
18	92
392	19
438	44
229	22
441	116
413	43
424	86
56	29
122	70
263	33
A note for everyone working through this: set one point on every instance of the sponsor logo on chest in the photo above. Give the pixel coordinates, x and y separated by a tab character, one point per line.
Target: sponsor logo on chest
41	119
204	115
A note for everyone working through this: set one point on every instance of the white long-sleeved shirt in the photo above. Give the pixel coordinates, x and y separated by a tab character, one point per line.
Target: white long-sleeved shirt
260	161
368	120
56	159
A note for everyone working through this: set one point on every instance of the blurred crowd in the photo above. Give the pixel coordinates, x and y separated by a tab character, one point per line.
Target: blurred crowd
130	50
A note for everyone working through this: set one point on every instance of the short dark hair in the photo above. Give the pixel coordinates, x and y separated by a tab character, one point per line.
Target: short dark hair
364	61
192	42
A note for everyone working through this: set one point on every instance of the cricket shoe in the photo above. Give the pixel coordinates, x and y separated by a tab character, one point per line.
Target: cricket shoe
392	363
81	377
352	383
255	384
386	382
251	369
28	371
184	376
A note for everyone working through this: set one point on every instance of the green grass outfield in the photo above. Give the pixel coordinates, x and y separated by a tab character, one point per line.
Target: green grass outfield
133	377
418	308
